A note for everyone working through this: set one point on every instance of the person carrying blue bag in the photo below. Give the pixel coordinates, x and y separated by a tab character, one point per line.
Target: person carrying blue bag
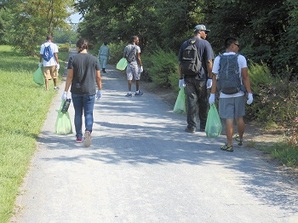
230	77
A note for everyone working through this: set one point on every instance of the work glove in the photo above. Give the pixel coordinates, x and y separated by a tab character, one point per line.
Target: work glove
181	83
211	99
209	83
249	98
141	69
40	65
58	66
98	94
65	96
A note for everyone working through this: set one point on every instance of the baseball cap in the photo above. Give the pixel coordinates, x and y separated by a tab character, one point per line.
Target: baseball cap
201	28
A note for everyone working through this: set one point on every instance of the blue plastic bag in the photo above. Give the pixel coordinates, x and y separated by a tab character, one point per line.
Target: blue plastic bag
213	125
180	106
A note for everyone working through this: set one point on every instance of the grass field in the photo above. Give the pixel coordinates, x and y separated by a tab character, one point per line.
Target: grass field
24	106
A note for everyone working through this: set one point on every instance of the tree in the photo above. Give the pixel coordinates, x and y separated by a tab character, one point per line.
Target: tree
33	20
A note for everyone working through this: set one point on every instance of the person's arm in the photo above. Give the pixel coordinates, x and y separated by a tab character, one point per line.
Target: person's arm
245	79
56	57
139	59
98	80
209	64
68	79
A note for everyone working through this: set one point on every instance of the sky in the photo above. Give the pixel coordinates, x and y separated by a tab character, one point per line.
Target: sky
75	18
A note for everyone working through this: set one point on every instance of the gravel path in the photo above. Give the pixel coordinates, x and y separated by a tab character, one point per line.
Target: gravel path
143	168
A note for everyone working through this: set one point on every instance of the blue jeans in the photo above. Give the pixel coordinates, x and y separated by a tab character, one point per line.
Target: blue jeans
83	103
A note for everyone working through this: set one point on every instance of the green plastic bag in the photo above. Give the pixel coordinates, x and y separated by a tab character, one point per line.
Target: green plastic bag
213	125
121	65
38	77
180	106
63	123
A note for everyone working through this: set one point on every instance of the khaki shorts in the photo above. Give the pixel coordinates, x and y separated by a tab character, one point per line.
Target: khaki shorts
50	72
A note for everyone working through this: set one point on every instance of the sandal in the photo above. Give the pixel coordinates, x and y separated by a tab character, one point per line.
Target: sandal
239	140
227	148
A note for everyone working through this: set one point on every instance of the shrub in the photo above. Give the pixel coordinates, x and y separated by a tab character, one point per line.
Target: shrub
162	68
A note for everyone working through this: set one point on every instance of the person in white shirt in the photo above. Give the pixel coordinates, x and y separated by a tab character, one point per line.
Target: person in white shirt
50	67
232	106
103	56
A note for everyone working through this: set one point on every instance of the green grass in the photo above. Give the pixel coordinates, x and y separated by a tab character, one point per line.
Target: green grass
24	106
285	153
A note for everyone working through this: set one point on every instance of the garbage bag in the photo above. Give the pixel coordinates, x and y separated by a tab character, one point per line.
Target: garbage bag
213	125
122	63
63	123
38	77
180	106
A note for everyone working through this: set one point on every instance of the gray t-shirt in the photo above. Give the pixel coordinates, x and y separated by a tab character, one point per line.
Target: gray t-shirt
131	47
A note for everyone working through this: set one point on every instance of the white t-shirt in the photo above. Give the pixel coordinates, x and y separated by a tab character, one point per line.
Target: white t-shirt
242	63
54	48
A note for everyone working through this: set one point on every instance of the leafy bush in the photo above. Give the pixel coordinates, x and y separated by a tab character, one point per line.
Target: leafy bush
162	68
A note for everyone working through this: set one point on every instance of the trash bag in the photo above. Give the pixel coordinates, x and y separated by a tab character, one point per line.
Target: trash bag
63	123
180	106
213	125
38	77
121	65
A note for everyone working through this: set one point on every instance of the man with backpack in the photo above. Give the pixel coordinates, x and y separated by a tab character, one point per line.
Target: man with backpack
132	53
49	61
195	69
230	77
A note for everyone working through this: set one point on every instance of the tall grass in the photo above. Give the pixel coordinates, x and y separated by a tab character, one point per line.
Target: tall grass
23	109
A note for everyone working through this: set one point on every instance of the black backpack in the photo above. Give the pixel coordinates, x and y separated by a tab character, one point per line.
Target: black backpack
131	56
229	77
190	63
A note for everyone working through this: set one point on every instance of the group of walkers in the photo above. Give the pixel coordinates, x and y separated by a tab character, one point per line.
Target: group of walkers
84	72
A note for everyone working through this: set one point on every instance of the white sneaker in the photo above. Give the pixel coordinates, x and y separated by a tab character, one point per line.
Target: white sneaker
87	139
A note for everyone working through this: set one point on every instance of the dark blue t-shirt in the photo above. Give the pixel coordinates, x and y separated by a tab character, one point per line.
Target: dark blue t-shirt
84	67
205	53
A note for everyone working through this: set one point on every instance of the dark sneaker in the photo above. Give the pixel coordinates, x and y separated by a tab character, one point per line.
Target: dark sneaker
239	140
87	139
138	93
190	130
79	140
128	95
227	148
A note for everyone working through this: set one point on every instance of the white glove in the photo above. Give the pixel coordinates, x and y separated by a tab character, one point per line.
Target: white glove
58	66
65	96
211	99
249	98
209	83
98	94
141	69
181	83
40	65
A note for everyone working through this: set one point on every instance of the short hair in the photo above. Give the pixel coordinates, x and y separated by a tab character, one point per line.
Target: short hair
49	37
133	38
229	41
82	44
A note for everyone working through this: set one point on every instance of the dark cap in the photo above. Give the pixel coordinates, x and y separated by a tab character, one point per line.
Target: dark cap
201	28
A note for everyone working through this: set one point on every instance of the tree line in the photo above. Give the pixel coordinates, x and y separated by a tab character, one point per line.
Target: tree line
267	29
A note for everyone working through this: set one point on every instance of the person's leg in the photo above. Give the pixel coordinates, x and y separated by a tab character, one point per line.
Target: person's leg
47	76
203	103
88	104
191	102
88	113
77	101
129	79
229	131
239	114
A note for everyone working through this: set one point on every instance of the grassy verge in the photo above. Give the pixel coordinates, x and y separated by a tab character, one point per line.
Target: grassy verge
24	106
